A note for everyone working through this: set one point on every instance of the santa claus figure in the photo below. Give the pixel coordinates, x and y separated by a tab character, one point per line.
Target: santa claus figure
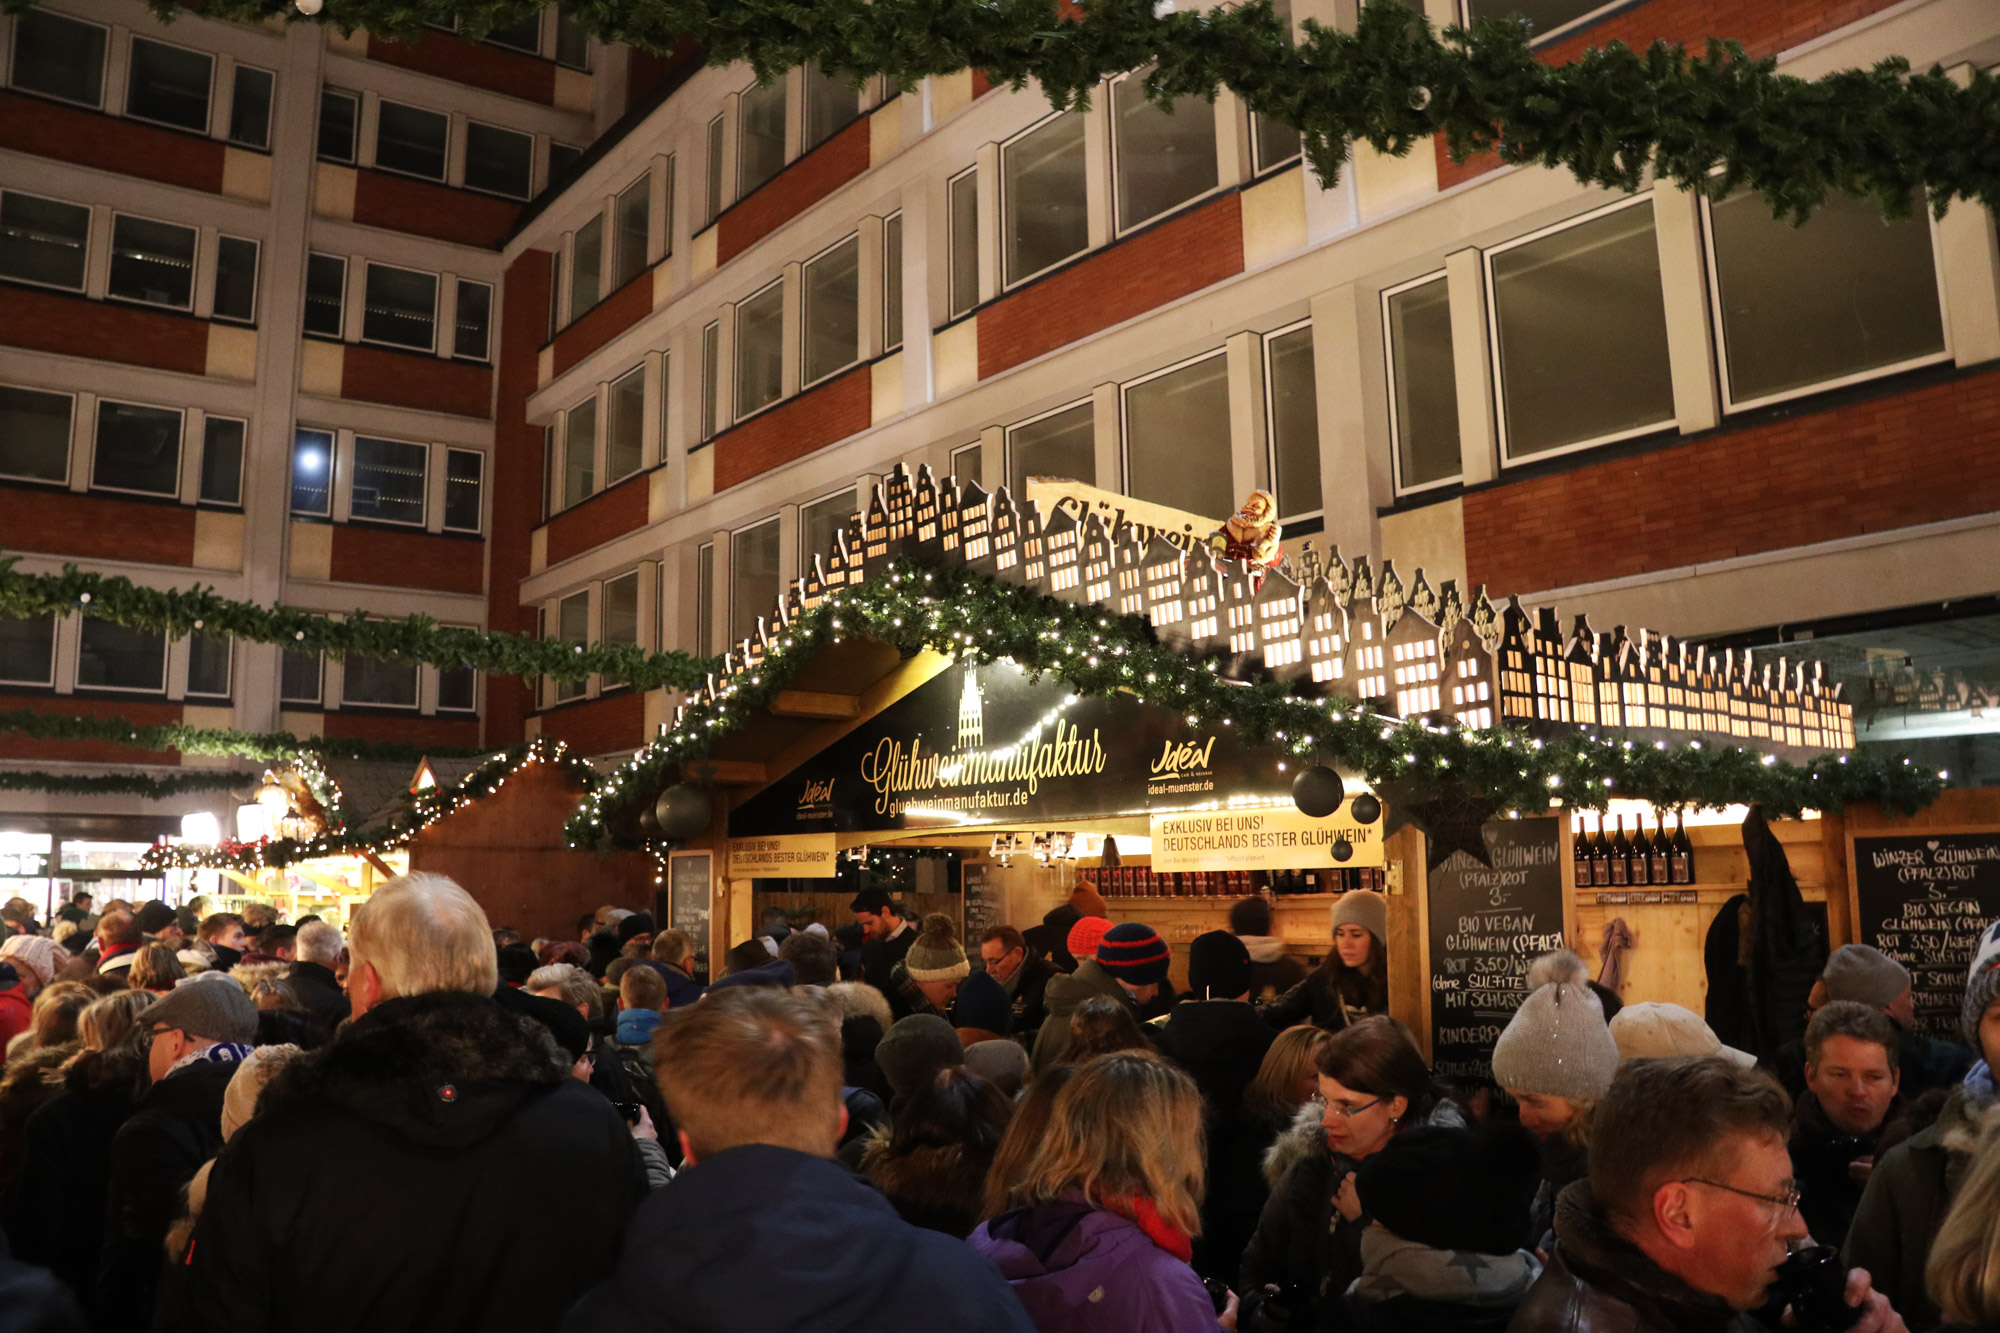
1251	535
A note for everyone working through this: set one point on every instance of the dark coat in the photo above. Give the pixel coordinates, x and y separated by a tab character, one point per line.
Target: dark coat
1903	1206
55	1216
1821	1155
682	989
320	993
1222	1043
878	960
1302	1243
1029	994
396	1174
1316	1000
938	1187
776	1240
1051	938
32	1301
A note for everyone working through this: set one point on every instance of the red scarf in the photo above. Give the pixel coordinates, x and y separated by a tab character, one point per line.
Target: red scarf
1140	1210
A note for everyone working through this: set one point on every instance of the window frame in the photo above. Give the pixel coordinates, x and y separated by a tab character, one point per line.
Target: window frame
194	262
416	691
131	66
103	62
89	238
228	668
581	685
1008	282
444	170
711	380
1120	228
97	427
975	450
783	84
76	672
318	699
1125	389
242	461
806	550
485	356
1007	439
69	448
773	522
49	682
575	309
643	188
367	272
1389	382
444	519
805	316
1270	393
528	188
716	134
591	489
954	307
305	297
737	414
1557	33
270	106
892	284
638	639
353	99
610	404
704	600
332	438
256	280
422	520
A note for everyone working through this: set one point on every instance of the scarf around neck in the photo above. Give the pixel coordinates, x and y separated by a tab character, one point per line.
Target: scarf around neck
1140	1211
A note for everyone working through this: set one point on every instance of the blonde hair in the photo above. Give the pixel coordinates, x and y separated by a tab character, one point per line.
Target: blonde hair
422	934
1289	1059
1963	1275
111	1019
752	1065
56	1012
155	967
1128	1125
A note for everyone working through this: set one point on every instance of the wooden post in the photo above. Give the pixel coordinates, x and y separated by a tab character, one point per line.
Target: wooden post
1840	922
1409	939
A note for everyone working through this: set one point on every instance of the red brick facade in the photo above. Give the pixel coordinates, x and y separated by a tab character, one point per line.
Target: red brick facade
404	728
645	72
102	330
792	191
1182	255
475	64
605	321
95	527
516	477
395	559
91	139
139	712
600	726
841	407
416	379
401	203
606	515
1918	456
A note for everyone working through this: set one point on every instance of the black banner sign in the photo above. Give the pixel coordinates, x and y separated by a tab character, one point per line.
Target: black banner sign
1486	925
1924	898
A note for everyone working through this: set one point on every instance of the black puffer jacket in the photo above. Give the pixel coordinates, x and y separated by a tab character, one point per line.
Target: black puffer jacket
395	1176
55	1216
320	993
1316	1000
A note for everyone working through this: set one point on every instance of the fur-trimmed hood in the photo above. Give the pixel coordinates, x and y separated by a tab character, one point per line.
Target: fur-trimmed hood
33	1078
446	1070
939	1187
1306	1136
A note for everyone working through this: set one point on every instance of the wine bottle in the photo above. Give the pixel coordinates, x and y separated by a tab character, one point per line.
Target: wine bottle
1600	858
1580	853
1660	853
1680	860
1621	858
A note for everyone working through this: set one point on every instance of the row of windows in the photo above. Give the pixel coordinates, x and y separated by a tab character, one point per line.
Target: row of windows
611	249
619	605
417	141
551	36
55	55
775	124
399	307
154	262
385	481
134	448
583	459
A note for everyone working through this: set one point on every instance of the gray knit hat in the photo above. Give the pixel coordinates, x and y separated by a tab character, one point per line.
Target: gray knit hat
217	1010
937	955
1982	985
916	1048
1557	1045
1361	907
1865	975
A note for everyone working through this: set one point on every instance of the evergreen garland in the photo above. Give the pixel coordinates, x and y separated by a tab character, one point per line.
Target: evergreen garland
143	785
264	746
1882	133
1097	652
417	638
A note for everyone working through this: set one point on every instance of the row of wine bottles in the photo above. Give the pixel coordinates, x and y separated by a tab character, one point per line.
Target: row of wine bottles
1141	882
1644	858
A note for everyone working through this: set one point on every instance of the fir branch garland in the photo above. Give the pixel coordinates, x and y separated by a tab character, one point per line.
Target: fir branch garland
264	746
143	785
1882	133
1096	652
417	638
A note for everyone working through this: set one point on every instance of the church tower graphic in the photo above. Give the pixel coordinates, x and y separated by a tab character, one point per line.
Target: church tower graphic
971	713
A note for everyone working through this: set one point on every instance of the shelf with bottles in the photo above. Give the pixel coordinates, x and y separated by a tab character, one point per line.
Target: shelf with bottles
1138	880
1659	858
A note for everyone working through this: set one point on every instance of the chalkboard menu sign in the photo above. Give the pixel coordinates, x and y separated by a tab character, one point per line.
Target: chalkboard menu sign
982	905
1923	899
688	876
1486	925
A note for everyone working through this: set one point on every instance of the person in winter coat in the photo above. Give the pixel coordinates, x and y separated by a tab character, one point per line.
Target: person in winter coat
319	945
1066	994
889	937
865	1020
1446	1260
1051	938
1862	974
1963	1275
1101	1227
35	960
1913	1184
673	958
390	1173
1022	972
1272	970
762	1230
1373	1085
1353	982
925	980
195	1038
1556	1058
931	1159
1851	1096
981	1010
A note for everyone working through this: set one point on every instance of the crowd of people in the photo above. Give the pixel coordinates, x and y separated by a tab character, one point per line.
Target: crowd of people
227	1121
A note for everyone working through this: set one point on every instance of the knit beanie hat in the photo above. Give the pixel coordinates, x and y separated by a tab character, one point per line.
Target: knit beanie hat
1361	907
1982	985
1218	966
1865	975
1085	936
1493	1173
1086	899
1652	1030
1557	1045
253	1071
639	923
37	955
937	955
1134	953
155	917
1251	916
1001	1062
216	1011
982	1003
916	1048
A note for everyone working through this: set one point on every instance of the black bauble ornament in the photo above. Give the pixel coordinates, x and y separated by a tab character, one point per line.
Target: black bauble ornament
1367	808
1342	849
683	811
1317	791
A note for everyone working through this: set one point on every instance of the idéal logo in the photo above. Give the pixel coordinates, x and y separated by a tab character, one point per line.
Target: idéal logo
816	792
1182	758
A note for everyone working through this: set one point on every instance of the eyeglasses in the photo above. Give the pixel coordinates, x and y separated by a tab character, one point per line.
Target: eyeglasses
1344	1112
1784	1203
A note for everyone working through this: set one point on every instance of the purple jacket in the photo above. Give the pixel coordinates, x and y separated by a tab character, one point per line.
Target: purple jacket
1080	1269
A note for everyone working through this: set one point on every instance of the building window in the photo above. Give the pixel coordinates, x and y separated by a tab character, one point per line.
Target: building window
222	461
572	42
112	657
1061	444
400	308
712	205
760	136
28	650
586	258
1042	196
471	336
458	690
1844	297
625	427
1161	158
633	216
562	156
711	379
621	609
892	283
464	476
299	677
573	626
1294	421
250	107
312	475
962	207
411	140
1273	141
524	34
1177	437
580	452
499	161
152	262
326	295
58	56
549	471
760	350
390	478
704	601
138	449
374	683
338	114
820	522
831	316
1580	333
1423	383
43	240
169	85
1546	18
236	279
967	463
832	104
208	666
753	578
34	434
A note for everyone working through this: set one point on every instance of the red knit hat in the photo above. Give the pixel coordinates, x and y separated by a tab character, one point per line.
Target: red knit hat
1084	935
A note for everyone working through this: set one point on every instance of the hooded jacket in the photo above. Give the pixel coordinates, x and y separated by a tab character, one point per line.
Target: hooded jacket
777	1240
682	989
940	1187
393	1174
1082	1269
320	993
1065	995
1405	1287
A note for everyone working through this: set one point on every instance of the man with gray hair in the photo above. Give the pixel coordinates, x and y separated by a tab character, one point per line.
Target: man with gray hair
390	1173
318	946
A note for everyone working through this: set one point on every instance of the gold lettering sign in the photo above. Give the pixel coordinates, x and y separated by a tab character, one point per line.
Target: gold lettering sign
798	856
1272	838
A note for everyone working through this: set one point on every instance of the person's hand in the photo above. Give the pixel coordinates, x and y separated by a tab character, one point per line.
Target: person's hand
583	1068
645	1129
1348	1200
1860	1169
1877	1316
1228	1316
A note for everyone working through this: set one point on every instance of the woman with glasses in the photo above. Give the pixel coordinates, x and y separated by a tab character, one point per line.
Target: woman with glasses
1373	1085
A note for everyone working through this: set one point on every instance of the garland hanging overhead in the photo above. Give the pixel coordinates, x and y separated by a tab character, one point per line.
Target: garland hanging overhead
144	785
967	615
265	746
418	638
1606	117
